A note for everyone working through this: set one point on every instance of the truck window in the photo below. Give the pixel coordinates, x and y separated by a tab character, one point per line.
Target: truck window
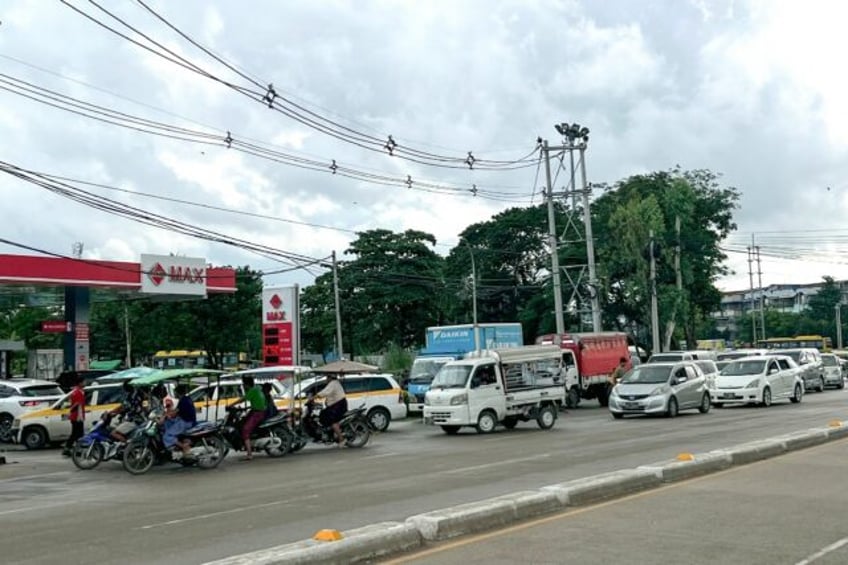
568	360
484	375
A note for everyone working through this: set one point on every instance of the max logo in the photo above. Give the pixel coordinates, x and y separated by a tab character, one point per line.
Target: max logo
276	315
176	274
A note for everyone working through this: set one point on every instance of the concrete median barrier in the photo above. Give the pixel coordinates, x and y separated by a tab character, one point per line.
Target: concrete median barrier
581	492
754	451
803	440
356	546
701	464
464	519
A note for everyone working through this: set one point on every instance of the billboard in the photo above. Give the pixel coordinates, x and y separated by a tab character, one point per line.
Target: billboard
280	326
169	274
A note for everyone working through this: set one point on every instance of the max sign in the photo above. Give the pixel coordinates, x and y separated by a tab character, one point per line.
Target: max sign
167	274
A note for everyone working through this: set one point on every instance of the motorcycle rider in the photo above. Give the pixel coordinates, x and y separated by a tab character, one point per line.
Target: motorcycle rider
335	406
179	420
132	412
258	405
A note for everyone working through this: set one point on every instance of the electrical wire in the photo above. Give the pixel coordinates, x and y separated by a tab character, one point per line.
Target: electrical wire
270	97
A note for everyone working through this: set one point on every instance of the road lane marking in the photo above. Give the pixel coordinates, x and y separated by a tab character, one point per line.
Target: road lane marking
495	464
504	437
43	507
476	538
823	551
381	456
225	512
29	477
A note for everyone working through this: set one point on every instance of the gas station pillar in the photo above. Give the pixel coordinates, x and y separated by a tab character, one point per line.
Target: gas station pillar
77	302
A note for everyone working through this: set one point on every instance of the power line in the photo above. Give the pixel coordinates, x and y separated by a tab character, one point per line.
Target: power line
281	104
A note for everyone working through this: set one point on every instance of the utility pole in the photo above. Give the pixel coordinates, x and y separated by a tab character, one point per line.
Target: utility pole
753	312
762	292
474	300
655	317
670	325
338	308
560	323
838	308
128	335
590	246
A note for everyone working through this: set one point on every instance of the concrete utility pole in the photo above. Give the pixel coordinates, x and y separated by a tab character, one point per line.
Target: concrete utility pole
838	309
752	310
560	322
474	300
127	335
762	292
590	245
339	346
655	317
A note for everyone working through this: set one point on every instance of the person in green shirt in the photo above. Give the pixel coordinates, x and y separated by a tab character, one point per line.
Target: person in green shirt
256	399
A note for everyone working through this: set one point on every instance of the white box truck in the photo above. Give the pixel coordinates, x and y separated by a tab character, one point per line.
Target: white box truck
500	386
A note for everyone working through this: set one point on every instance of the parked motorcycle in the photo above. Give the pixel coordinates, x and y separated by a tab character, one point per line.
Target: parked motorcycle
306	426
147	448
272	436
97	446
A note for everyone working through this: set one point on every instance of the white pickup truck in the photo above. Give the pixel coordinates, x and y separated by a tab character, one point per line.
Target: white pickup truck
501	386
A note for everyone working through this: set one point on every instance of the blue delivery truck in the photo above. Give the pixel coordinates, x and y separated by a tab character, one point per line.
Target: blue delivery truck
449	343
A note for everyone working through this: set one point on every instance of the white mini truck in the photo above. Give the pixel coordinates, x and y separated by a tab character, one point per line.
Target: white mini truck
499	386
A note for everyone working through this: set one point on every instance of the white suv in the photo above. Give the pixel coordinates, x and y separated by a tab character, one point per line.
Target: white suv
23	395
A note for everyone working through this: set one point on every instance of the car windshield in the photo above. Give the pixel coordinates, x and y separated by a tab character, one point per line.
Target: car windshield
796	355
706	366
426	367
421	380
42	390
829	361
647	374
744	367
665	358
452	376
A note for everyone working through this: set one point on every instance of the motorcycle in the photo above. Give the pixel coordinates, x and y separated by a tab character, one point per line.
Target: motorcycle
97	446
147	448
272	435
306	426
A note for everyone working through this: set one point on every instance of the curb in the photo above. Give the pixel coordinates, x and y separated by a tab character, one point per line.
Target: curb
380	540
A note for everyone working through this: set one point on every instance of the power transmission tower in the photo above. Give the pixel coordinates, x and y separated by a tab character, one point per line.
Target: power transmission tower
581	278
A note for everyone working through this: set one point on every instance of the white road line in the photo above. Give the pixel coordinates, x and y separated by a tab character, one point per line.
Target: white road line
824	551
495	464
381	456
28	477
224	512
504	437
43	507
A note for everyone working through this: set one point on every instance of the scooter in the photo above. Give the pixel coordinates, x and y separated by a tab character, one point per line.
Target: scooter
355	429
272	435
147	448
97	446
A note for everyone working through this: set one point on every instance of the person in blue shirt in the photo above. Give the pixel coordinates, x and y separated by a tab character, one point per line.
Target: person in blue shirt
179	420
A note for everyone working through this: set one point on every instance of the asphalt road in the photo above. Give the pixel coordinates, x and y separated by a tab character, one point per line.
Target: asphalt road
788	510
50	511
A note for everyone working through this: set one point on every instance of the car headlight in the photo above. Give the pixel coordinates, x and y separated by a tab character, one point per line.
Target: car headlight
459	399
753	384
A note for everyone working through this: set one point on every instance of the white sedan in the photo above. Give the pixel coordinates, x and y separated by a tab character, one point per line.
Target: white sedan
18	396
758	380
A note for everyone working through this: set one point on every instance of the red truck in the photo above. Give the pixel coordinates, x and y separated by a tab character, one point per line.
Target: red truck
589	360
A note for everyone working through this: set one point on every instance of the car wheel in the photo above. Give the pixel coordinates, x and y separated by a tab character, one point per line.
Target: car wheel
820	388
841	385
547	417
6	421
672	409
766	397
572	398
34	437
379	419
486	422
705	404
797	394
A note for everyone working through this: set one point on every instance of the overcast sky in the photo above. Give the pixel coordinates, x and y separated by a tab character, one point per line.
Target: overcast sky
753	90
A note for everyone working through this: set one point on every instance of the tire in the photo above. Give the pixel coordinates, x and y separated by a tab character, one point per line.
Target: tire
450	430
603	396
766	397
214	451
547	417
285	446
6	421
840	386
486	422
379	419
820	388
138	457
510	423
572	398
797	394
89	456
34	437
673	408
358	433
705	404
297	446
617	416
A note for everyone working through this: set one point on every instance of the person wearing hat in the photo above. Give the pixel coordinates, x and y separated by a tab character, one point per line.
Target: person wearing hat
335	406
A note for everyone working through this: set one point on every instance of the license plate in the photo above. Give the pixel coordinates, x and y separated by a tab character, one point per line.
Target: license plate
728	395
631	405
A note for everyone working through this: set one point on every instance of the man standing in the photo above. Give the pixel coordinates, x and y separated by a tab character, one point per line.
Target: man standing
76	415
